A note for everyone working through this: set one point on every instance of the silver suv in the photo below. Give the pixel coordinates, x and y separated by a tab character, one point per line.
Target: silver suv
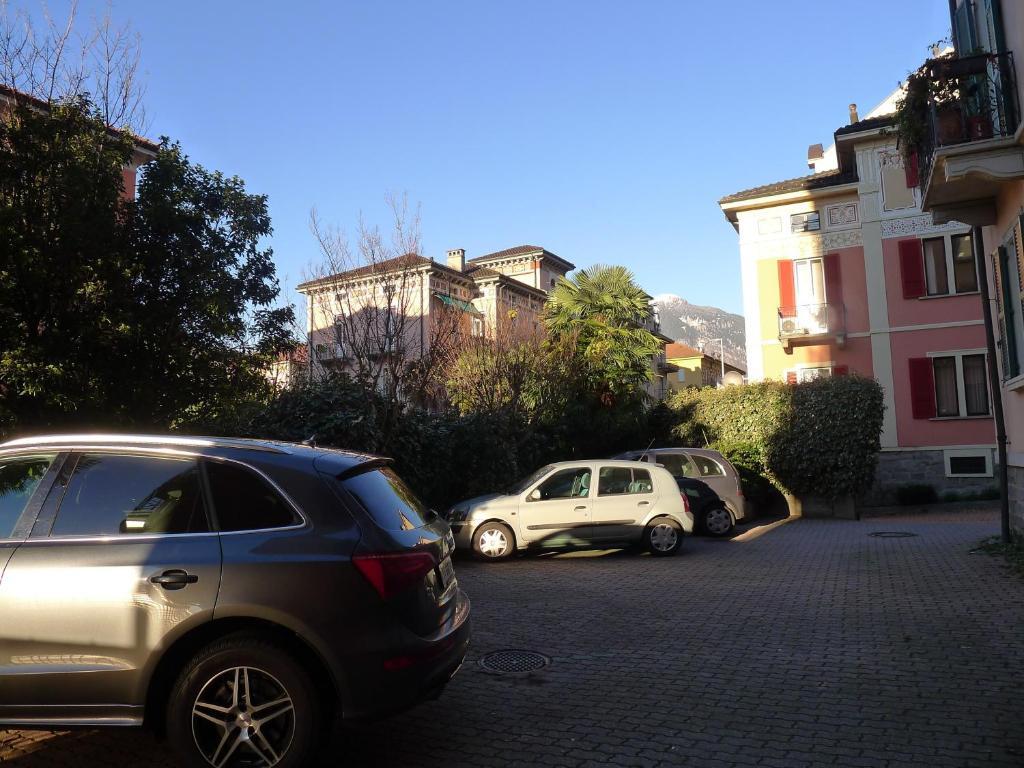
237	594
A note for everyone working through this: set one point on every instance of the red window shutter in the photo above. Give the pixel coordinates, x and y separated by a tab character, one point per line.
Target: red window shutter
833	279
787	289
791	377
922	388
841	370
910	169
912	268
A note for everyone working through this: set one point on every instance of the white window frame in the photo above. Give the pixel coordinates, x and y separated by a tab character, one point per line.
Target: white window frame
967	454
803	369
961	388
477	326
947	244
800	222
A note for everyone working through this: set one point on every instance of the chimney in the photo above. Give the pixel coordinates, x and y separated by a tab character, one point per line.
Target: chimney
853	114
457	259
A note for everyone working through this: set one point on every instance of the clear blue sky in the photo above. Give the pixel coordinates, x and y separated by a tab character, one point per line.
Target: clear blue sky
603	130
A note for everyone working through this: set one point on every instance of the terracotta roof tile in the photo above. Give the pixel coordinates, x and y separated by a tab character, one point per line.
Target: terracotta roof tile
813	181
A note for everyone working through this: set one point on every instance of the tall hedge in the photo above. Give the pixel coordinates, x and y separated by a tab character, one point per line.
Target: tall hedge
819	438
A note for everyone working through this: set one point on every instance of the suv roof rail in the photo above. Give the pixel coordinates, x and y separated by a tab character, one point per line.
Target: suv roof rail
116	439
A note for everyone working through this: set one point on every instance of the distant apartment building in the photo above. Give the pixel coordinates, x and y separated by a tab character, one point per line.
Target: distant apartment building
499	291
844	273
145	150
695	368
972	170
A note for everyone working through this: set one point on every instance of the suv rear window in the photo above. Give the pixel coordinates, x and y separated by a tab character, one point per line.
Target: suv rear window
388	500
244	501
111	494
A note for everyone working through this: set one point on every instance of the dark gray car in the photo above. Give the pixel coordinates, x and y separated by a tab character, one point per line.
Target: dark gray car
712	468
238	593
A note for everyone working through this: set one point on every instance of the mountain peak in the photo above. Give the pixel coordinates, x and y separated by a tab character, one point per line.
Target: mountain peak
700	327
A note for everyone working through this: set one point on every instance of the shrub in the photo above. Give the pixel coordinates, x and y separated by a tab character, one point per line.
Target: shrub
819	438
747	459
914	494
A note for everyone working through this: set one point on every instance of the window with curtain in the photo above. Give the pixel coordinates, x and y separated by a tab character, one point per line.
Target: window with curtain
975	386
965	274
936	276
947	400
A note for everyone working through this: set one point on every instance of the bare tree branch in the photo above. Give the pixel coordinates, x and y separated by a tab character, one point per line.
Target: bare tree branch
39	63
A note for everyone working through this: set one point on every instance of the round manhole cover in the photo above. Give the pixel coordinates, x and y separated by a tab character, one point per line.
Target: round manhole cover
892	534
513	662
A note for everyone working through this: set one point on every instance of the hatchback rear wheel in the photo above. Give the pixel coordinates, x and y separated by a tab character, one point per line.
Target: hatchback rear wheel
244	703
718	521
663	536
493	541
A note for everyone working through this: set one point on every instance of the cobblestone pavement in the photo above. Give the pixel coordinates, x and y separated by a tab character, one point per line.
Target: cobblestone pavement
813	644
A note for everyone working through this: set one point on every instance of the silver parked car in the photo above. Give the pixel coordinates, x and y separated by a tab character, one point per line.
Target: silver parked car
576	503
712	468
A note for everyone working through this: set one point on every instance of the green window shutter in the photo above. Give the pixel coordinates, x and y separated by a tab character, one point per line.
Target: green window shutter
1007	303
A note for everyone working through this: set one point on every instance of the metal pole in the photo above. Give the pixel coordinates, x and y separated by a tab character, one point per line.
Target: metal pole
994	384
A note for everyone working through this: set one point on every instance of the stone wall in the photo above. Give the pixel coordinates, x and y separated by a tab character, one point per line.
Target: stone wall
898	468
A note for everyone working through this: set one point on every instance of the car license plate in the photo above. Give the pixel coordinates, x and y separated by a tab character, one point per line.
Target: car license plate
447	571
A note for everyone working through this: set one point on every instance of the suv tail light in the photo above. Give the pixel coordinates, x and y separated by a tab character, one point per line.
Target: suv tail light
686	503
393	572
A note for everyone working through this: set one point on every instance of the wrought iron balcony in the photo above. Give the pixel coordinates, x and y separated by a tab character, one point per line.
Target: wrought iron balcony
812	323
976	101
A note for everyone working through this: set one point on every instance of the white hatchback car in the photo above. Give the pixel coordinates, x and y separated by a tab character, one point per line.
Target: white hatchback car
577	503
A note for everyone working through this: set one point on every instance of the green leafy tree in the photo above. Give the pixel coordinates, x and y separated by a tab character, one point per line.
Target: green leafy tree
605	312
121	312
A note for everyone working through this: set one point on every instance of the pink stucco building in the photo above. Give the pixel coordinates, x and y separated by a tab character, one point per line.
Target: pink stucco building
843	273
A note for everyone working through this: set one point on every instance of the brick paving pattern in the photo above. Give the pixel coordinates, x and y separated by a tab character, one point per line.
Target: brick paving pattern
813	644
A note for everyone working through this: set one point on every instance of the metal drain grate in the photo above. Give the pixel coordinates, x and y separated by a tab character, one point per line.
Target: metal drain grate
892	534
513	662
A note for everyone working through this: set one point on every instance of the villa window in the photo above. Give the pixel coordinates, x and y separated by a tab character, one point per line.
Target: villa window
949	265
805	222
949	386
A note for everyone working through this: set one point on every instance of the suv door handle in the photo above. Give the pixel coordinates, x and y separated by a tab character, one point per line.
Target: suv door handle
176	579
642	503
580	508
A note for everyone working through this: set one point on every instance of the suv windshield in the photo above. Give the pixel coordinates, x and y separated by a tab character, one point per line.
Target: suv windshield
529	480
390	502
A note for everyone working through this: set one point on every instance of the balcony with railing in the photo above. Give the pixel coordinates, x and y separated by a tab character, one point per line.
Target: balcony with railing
967	147
812	324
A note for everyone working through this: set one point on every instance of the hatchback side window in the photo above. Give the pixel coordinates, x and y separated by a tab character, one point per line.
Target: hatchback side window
564	484
677	464
244	501
110	495
616	481
708	467
19	479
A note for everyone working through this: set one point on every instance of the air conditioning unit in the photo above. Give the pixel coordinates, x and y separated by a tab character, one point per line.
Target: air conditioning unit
789	325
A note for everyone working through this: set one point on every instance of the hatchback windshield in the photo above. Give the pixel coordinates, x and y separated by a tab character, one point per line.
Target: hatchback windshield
529	480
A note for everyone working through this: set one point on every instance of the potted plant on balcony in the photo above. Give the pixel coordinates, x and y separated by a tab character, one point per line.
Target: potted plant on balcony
929	91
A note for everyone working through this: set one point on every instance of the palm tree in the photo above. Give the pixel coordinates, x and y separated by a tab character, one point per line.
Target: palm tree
607	313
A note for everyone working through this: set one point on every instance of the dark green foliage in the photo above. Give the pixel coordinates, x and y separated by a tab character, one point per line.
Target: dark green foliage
985	494
119	312
820	438
914	494
749	463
